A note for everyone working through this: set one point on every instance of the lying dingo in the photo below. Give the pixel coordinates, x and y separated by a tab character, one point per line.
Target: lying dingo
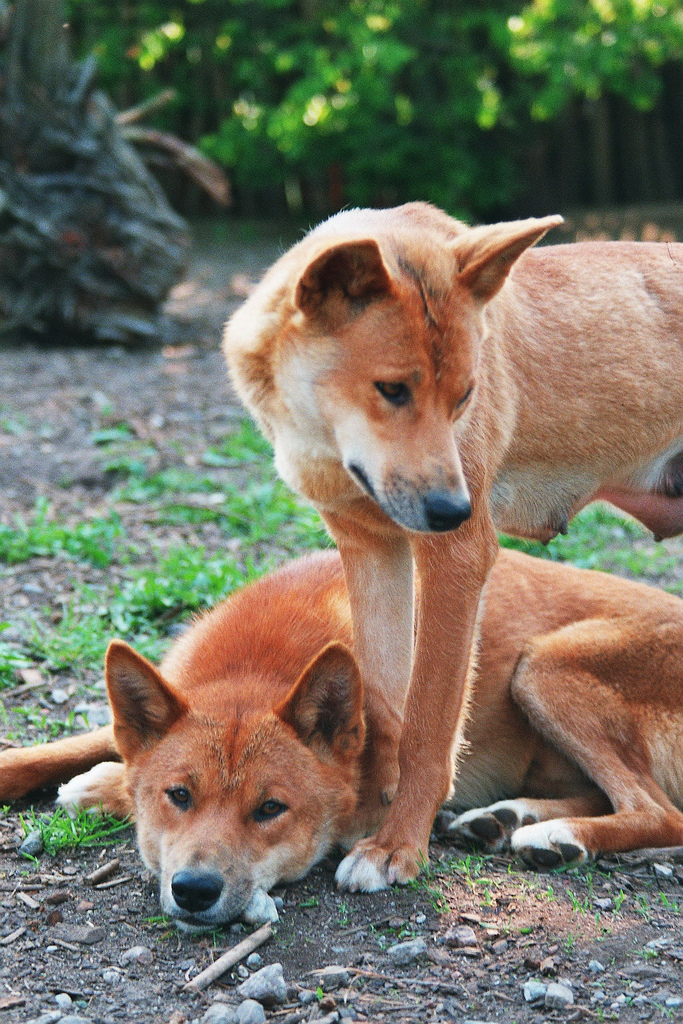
424	384
247	756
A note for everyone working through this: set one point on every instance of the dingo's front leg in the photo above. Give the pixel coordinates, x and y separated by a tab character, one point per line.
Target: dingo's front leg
378	568
452	569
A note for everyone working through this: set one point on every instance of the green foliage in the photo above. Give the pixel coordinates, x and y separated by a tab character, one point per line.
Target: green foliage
93	541
377	101
586	47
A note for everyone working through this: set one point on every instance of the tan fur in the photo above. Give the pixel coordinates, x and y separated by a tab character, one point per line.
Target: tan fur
535	381
571	745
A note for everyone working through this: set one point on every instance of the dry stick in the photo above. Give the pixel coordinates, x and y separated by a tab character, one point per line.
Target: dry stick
438	986
105	871
229	959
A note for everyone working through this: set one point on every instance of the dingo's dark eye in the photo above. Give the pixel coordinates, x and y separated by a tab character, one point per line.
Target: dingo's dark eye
269	809
465	397
180	797
396	393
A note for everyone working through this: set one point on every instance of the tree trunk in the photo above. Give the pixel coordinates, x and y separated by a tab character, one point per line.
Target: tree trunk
88	242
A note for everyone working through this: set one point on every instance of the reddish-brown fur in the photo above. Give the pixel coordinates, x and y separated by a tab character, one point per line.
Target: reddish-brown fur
575	728
574	355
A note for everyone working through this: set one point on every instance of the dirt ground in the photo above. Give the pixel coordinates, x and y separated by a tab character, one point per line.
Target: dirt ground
611	934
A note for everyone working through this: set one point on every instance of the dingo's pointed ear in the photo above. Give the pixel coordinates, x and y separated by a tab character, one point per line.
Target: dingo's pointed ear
325	706
144	706
355	270
485	255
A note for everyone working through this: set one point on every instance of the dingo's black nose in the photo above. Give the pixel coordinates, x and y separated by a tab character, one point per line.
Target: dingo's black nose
443	512
195	891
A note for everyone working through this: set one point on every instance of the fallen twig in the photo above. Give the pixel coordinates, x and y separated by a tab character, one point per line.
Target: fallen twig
103	872
432	983
229	959
114	882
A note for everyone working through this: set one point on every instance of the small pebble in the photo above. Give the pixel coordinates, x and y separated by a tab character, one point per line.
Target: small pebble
459	936
673	1001
420	918
595	967
603	902
279	902
111	976
267	986
254	961
59	696
242	972
250	1012
405	952
307	996
558	997
663	870
32	846
333	977
220	1013
534	990
136	955
63	1000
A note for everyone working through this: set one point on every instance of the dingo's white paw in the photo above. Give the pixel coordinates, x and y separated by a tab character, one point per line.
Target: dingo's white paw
548	844
98	788
492	826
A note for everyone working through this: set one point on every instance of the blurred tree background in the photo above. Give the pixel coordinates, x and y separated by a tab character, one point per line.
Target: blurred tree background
484	108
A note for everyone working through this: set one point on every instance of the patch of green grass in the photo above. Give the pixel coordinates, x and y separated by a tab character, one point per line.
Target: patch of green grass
110	435
59	831
94	541
601	539
11	660
140	609
246	444
48	728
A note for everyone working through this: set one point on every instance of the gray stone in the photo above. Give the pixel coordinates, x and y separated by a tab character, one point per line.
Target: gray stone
460	936
534	990
83	934
267	986
558	997
279	902
333	977
406	952
254	961
603	902
242	972
73	1018
307	996
673	1001
32	846
46	1018
250	1012
595	967
63	1000
112	976
221	1013
663	870
136	955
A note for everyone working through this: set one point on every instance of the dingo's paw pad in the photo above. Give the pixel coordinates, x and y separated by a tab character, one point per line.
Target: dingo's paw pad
548	844
370	867
492	826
